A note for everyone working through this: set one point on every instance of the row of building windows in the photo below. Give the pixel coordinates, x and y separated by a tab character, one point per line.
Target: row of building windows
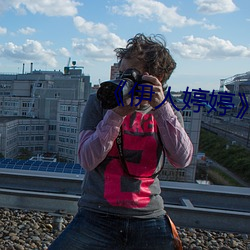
5	93
68	151
187	113
12	130
67	129
67	140
31	128
51	137
12	113
27	104
172	173
52	127
5	86
16	104
68	118
9	112
31	138
10	104
35	149
69	108
13	141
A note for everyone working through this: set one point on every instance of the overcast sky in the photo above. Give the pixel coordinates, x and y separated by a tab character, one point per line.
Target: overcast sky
209	39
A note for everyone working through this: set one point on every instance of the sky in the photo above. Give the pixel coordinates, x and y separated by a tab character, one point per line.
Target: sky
208	39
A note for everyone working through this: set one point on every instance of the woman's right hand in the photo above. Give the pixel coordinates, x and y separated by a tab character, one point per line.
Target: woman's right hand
126	109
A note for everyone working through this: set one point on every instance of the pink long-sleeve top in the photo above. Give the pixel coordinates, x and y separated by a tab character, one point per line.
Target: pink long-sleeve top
94	145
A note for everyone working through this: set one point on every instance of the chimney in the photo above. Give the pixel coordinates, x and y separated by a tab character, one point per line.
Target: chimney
23	68
31	67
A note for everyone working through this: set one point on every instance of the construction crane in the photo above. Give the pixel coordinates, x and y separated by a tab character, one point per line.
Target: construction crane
69	62
66	68
73	66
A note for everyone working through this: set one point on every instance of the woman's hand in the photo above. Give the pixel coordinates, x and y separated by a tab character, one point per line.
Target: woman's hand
158	95
126	109
152	92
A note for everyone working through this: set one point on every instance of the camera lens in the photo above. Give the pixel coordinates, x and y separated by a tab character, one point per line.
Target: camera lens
106	94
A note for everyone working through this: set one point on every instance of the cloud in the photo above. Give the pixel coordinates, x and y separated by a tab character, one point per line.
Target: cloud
94	48
88	27
46	7
211	7
30	51
63	51
100	43
211	48
3	30
207	26
155	10
27	31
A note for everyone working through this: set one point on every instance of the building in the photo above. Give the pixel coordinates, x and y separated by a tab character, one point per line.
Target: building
239	86
114	72
192	124
41	110
237	83
20	132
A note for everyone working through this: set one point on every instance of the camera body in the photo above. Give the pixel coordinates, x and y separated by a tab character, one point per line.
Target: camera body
110	91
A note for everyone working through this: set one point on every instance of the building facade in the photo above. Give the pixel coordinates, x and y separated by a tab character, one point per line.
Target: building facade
114	71
40	111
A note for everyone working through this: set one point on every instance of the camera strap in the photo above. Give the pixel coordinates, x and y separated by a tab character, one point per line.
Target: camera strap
119	142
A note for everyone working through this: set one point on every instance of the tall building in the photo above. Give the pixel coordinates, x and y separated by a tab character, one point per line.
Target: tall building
114	72
40	111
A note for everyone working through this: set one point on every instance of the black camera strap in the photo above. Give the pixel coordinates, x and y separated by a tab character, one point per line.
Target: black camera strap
119	142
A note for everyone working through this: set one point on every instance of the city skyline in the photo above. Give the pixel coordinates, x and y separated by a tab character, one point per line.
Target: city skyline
207	38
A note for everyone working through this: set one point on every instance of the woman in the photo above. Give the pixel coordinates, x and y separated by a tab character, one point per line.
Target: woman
122	150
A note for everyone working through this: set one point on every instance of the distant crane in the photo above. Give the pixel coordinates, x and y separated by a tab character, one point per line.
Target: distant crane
69	62
74	66
66	68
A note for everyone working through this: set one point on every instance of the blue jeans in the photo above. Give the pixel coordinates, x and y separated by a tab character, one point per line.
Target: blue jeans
94	231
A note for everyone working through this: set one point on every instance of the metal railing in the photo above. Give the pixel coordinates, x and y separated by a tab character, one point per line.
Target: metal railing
213	207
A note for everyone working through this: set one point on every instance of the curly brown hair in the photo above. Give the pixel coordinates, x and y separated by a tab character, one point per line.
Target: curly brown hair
152	51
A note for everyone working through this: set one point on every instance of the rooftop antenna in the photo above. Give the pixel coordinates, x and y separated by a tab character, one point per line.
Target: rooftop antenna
31	67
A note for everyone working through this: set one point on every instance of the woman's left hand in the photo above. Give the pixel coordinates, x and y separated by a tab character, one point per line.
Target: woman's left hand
155	90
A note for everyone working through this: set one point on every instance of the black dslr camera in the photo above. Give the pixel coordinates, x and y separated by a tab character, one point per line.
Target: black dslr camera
112	93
